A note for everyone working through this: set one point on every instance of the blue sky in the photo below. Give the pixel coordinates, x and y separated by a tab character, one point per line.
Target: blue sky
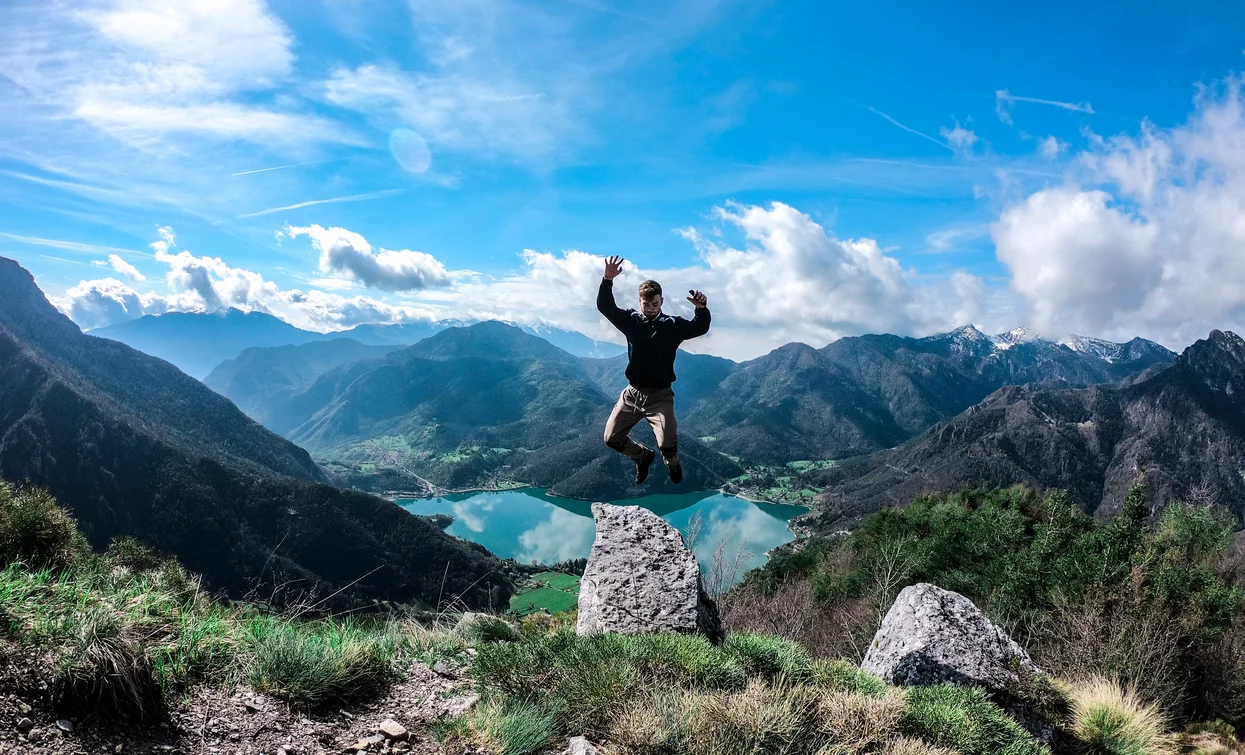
819	169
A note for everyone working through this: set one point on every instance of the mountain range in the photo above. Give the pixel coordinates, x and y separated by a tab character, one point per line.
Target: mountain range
133	446
1180	428
862	394
197	342
469	406
488	403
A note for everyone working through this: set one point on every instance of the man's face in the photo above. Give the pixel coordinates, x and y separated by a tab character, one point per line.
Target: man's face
650	306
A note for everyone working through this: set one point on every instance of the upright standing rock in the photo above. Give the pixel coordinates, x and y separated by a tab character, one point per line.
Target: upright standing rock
641	577
935	636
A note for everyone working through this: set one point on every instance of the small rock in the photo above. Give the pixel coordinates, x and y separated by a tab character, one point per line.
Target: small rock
392	729
446	670
366	743
251	706
23	708
34	735
25	724
118	748
456	706
65	725
401	747
579	746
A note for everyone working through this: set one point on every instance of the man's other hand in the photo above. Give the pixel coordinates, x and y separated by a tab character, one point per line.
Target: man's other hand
613	267
698	299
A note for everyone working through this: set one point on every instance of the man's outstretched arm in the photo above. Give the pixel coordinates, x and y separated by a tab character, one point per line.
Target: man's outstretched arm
605	295
699	324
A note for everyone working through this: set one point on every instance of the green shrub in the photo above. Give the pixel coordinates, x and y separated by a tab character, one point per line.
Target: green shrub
766	655
965	720
321	663
35	531
130	553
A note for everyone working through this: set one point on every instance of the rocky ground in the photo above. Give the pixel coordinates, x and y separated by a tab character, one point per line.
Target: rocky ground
240	721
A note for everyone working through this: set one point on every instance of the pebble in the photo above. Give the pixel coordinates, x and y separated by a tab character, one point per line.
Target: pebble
65	725
392	729
25	725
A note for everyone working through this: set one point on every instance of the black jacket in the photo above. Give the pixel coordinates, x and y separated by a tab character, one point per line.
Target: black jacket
651	344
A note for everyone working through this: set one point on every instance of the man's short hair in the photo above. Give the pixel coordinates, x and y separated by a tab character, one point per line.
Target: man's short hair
649	289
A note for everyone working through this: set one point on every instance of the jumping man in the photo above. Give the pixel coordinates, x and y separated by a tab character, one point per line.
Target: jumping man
652	340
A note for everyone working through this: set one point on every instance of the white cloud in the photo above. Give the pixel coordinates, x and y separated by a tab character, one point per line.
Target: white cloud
343	251
1050	147
959	138
123	267
143	71
458	111
1004	100
1146	238
202	283
793	281
96	303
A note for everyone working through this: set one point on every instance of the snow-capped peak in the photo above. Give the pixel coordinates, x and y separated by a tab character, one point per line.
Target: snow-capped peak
1014	337
1105	350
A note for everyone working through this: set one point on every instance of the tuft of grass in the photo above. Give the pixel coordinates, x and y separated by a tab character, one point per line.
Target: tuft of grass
35	531
761	718
482	628
509	727
770	656
322	663
964	719
856	722
104	667
910	746
1110	720
842	676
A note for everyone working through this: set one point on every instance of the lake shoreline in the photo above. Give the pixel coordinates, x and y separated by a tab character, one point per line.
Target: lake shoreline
394	495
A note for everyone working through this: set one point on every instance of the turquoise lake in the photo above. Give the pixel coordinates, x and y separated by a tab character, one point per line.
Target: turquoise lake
530	525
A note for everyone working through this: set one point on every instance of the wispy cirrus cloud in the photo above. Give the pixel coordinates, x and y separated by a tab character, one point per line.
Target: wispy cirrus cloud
331	200
73	246
1004	100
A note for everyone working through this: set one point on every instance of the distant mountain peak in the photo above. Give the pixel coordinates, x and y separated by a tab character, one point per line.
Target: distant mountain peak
1015	337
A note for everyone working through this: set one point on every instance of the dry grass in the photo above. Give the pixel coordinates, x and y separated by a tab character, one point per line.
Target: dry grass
911	746
1111	720
857	723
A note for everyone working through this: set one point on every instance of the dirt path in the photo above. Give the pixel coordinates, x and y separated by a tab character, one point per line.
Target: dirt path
216	721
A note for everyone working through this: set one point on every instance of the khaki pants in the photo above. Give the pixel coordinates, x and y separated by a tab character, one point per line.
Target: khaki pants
634	405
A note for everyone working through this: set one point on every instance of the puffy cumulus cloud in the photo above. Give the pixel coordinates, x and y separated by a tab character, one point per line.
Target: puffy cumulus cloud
96	303
792	281
203	283
1146	238
343	251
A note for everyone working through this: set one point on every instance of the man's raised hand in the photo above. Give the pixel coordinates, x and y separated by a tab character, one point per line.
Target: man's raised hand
698	299
613	267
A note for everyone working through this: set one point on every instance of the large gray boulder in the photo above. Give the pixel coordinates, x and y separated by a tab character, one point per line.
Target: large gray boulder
935	636
641	577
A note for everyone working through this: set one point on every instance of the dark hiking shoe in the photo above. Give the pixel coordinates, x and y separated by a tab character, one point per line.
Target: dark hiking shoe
641	466
676	474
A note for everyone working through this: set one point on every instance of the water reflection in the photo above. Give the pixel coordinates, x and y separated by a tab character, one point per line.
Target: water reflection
531	526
